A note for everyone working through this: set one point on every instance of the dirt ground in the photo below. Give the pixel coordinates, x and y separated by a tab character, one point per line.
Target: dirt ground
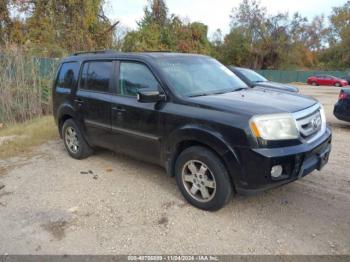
111	204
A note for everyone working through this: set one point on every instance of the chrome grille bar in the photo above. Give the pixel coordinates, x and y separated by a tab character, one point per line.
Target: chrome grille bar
311	123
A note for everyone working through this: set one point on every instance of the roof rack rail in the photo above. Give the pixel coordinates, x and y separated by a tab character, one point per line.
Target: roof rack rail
94	52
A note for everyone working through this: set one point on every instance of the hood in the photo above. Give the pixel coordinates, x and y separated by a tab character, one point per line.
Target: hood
253	101
278	86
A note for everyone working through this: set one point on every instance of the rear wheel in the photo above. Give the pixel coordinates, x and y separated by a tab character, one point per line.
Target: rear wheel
203	179
74	141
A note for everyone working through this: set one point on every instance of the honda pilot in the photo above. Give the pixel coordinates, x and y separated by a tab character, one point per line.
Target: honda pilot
191	115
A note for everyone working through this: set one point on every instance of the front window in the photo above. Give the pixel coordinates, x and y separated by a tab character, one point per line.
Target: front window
135	76
196	76
252	75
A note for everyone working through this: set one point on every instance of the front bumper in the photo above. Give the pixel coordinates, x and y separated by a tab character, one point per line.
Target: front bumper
297	161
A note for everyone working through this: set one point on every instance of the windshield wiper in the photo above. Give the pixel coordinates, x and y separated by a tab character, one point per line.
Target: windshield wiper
218	92
211	93
239	89
200	94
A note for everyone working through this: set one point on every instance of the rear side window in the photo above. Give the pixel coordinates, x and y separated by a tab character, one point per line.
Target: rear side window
96	76
135	76
68	75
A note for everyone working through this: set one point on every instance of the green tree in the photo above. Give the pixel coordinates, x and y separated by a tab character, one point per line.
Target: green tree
5	21
56	27
337	55
263	41
156	12
235	49
157	31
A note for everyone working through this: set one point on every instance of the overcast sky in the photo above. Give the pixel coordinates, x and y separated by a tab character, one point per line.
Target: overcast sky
215	13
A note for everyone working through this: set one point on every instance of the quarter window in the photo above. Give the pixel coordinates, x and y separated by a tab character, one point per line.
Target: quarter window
134	76
96	76
68	75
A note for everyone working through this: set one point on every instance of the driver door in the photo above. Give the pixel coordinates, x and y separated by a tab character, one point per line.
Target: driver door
135	125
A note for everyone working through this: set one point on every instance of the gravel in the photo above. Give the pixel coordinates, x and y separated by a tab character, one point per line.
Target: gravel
112	204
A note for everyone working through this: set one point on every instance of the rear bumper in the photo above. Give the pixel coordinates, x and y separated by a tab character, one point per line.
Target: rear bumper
297	162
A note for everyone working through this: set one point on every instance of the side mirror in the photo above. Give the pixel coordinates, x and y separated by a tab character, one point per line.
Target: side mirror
146	95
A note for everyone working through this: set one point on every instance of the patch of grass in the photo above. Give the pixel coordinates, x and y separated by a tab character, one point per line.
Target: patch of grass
27	135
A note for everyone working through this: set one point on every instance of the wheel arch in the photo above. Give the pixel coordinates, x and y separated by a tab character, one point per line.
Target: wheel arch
197	136
64	112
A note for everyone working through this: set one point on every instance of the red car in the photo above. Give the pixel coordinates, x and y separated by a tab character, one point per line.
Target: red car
326	81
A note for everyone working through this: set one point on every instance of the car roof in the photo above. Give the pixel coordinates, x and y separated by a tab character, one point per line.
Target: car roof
110	54
323	76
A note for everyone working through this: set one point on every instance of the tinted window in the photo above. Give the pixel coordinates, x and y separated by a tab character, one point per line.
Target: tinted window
96	76
134	76
68	75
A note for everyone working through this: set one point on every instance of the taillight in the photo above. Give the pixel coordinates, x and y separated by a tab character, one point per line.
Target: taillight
343	95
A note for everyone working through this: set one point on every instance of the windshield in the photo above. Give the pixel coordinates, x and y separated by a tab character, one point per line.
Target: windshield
197	76
252	75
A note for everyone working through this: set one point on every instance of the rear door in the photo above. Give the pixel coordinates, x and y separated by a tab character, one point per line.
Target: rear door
135	125
93	101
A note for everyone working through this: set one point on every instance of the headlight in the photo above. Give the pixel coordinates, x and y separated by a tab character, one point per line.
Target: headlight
274	127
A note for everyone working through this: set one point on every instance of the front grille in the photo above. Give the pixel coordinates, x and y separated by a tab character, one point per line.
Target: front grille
310	123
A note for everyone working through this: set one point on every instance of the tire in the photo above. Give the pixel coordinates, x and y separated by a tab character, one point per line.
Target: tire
337	84
208	185
74	142
314	83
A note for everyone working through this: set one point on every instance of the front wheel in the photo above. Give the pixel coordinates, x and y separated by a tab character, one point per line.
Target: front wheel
203	179
314	83
337	84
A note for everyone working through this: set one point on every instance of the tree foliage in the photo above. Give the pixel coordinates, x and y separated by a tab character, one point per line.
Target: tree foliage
260	40
54	27
337	55
256	39
159	31
5	21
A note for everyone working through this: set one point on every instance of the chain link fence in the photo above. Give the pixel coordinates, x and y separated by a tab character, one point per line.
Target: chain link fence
289	76
25	86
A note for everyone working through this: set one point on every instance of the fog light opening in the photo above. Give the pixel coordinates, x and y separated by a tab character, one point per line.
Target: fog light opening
276	171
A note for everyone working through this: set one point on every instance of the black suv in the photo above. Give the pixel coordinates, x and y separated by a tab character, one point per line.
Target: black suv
191	115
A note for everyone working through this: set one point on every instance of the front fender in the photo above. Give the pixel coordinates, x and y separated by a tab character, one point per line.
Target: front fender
204	136
210	138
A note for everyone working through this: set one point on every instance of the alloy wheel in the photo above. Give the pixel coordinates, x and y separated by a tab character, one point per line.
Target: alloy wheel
199	181
71	139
